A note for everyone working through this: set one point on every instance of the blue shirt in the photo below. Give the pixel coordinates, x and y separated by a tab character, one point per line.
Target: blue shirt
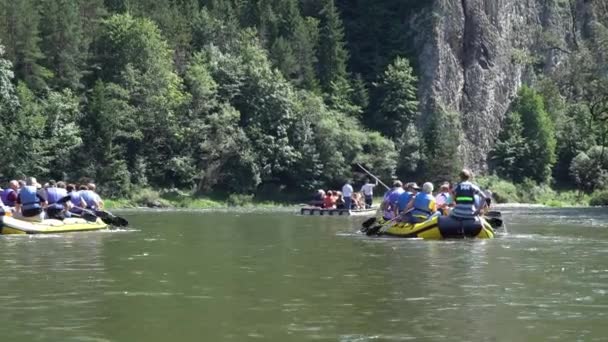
404	199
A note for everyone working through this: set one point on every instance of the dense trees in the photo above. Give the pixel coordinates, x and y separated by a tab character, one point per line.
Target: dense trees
526	147
262	96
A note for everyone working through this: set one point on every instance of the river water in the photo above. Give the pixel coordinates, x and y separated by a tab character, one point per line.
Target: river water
217	276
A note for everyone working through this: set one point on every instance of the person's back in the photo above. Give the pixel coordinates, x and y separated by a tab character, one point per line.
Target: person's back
54	194
55	197
347	193
90	198
389	204
423	205
403	200
30	201
368	192
75	197
9	195
464	196
329	202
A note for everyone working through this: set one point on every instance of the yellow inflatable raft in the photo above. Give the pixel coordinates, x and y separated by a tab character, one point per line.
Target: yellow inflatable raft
11	225
442	227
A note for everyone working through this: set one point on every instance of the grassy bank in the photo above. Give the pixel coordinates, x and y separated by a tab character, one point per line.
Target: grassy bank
529	192
503	192
149	198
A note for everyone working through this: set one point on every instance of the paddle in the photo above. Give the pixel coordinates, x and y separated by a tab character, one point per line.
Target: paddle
494	218
87	215
369	222
376	229
373	176
105	216
112	219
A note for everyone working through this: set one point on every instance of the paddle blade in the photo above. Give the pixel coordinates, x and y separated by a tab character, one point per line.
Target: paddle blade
111	219
373	230
368	223
496	223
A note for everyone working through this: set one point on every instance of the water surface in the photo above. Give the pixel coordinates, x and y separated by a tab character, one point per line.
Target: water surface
218	276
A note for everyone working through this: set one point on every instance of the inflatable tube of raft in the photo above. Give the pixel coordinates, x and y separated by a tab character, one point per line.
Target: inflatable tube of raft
10	225
443	227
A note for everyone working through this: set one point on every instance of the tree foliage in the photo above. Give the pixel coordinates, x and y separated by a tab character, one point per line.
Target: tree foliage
253	96
526	146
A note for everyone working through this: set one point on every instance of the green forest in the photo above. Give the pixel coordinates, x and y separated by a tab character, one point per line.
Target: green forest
266	97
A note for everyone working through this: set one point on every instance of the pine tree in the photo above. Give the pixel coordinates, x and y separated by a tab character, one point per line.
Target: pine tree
539	133
442	160
61	42
332	52
24	44
526	147
507	158
398	107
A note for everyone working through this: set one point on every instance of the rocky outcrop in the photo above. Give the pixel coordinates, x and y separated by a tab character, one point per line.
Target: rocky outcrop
475	54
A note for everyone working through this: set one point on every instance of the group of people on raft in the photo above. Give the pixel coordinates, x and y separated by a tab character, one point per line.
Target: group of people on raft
410	203
414	205
29	200
347	198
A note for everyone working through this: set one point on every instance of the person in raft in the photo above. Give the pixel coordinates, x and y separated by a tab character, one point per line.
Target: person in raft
464	196
444	199
422	206
389	201
31	201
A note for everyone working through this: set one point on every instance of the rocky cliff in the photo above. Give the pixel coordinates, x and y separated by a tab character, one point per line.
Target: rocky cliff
475	54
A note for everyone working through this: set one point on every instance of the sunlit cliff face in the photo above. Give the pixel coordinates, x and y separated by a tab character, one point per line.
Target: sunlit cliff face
475	54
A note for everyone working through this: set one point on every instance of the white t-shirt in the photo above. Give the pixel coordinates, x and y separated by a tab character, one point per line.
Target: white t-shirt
368	189
347	190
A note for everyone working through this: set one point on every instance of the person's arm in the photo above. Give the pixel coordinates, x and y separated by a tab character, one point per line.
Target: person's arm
482	200
43	199
410	204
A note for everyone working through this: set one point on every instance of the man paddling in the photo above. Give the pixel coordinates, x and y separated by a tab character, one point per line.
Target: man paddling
55	193
31	202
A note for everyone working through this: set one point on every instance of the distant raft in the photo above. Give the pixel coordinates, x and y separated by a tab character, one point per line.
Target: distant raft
10	225
442	227
316	211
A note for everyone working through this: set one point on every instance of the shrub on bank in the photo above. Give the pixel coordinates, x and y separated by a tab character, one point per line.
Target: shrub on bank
239	200
599	198
149	198
502	191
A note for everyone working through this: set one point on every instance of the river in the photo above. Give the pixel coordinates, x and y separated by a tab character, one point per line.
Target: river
217	276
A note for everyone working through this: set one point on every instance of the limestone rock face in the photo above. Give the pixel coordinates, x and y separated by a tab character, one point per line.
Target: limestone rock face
475	54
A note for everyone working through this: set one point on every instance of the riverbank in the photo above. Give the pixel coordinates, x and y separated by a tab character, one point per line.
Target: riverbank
530	193
504	192
148	198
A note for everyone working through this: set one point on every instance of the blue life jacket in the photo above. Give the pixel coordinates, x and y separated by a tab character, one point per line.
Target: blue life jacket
465	200
5	198
404	199
29	198
75	198
54	195
423	204
89	197
390	202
